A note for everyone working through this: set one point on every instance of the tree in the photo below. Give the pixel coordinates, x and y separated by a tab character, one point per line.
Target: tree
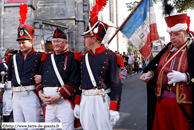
181	5
131	47
131	5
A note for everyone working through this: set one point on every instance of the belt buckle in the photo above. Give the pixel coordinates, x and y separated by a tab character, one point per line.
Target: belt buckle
18	88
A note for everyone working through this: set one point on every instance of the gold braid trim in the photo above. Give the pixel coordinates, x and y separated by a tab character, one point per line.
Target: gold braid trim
27	34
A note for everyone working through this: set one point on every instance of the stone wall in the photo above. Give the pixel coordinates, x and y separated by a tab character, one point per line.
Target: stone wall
45	15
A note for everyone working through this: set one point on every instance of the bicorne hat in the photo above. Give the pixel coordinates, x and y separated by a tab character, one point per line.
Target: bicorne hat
96	28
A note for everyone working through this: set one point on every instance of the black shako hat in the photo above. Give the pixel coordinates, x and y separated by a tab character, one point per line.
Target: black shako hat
25	32
59	34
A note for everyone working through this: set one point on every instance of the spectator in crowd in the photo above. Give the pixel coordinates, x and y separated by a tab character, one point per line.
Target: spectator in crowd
143	62
136	63
130	63
125	59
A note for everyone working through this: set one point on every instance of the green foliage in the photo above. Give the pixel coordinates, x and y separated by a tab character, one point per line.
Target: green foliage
181	5
132	47
131	5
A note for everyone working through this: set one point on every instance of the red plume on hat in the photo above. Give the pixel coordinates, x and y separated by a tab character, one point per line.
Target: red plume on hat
100	4
95	27
25	32
23	13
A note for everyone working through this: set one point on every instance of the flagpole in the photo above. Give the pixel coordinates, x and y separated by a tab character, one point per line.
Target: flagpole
125	21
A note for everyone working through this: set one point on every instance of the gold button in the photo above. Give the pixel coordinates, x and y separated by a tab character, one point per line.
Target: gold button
192	80
34	65
81	62
30	78
100	76
31	74
36	60
105	62
80	67
32	69
81	71
102	66
156	64
99	81
101	72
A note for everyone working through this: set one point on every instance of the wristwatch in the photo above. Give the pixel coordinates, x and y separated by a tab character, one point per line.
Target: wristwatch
61	96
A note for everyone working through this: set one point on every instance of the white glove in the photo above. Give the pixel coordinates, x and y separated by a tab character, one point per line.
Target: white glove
2	85
114	117
77	111
175	77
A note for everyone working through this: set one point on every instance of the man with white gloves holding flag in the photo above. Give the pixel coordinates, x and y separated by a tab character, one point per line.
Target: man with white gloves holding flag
171	73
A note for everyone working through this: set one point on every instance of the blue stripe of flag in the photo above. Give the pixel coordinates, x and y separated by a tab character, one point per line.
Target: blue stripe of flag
137	18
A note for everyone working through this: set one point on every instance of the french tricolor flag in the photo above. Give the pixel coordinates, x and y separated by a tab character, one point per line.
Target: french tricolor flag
141	27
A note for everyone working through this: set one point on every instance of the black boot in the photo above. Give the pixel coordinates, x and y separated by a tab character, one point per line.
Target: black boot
5	118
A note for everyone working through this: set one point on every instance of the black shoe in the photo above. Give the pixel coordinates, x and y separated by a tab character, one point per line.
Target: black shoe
6	118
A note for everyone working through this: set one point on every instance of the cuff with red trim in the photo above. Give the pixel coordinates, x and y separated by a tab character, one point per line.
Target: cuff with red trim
39	87
114	106
66	91
77	99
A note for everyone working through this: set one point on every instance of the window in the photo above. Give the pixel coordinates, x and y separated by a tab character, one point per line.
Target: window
48	47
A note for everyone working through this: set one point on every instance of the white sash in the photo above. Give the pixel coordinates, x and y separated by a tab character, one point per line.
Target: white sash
5	65
16	70
58	75
90	71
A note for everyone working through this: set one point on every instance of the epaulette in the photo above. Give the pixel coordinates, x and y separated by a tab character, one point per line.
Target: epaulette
77	55
44	56
7	58
119	59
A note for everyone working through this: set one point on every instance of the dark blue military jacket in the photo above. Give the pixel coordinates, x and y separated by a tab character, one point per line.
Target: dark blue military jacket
68	64
27	68
106	73
68	67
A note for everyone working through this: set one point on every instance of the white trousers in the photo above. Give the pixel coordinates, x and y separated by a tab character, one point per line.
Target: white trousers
94	113
62	112
26	107
7	102
7	99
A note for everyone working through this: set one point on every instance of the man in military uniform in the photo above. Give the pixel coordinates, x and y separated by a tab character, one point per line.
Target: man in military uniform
100	81
7	95
21	70
172	69
59	78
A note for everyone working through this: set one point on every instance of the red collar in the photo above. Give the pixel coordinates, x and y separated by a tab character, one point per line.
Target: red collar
30	53
98	50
